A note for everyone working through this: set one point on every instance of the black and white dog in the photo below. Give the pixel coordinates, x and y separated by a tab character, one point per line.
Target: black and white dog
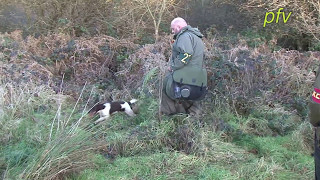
105	110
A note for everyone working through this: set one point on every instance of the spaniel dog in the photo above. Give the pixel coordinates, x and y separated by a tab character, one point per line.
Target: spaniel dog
107	109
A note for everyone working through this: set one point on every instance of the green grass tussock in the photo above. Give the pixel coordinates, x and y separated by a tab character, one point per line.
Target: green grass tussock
68	152
38	142
171	165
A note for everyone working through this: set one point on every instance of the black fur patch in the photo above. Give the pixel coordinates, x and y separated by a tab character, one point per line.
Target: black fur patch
97	108
116	106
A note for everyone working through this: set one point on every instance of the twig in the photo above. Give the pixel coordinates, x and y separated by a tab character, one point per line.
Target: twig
82	115
57	116
160	92
74	107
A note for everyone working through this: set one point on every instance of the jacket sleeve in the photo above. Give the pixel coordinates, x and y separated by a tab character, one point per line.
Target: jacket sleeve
314	102
314	113
185	48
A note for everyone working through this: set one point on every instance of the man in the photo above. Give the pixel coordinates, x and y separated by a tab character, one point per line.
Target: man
186	80
314	106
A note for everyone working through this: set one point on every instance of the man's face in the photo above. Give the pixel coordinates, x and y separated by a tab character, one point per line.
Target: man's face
175	28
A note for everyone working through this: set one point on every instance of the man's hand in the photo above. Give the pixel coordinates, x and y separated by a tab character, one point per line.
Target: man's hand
169	69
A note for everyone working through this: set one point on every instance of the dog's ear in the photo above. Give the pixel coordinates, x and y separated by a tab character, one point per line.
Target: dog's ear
93	111
91	114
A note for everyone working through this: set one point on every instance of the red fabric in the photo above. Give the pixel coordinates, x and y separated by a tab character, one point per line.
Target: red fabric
316	95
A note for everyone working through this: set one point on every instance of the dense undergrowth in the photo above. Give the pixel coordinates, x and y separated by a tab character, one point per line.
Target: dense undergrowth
253	124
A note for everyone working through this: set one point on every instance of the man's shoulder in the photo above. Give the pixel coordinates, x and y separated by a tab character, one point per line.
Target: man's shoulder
185	35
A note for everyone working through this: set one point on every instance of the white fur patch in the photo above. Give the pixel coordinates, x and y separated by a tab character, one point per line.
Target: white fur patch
127	109
105	113
106	110
133	101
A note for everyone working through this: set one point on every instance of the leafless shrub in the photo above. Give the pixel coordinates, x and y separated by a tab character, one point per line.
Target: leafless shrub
144	60
306	13
123	19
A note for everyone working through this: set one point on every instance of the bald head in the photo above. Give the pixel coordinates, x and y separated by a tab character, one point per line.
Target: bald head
177	24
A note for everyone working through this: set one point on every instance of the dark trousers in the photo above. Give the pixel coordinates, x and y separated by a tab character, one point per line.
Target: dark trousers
317	156
170	107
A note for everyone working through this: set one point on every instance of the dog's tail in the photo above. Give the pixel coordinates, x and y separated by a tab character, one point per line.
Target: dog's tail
132	101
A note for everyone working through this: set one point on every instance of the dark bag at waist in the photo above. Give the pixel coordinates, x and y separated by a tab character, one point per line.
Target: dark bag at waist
189	92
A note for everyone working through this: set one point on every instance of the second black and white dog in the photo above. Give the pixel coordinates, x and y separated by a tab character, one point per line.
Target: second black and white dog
105	110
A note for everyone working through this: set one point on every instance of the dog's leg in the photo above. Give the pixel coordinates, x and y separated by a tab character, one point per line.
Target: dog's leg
101	119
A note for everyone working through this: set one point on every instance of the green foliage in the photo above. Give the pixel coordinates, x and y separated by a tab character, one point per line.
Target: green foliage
7	47
149	75
276	152
146	39
122	55
111	31
179	147
69	150
63	21
156	166
254	38
64	51
275	123
216	172
315	46
19	153
164	27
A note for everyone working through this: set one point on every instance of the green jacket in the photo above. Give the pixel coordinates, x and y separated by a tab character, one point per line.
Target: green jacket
314	103
187	60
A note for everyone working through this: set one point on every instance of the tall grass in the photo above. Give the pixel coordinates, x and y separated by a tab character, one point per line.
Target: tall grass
66	153
35	145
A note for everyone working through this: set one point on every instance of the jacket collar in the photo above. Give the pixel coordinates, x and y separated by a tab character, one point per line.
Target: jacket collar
192	30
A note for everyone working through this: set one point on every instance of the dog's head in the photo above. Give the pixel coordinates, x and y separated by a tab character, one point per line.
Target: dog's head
135	109
134	106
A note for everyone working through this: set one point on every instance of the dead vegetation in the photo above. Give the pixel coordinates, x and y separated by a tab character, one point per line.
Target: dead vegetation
305	13
246	77
45	59
241	73
267	91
